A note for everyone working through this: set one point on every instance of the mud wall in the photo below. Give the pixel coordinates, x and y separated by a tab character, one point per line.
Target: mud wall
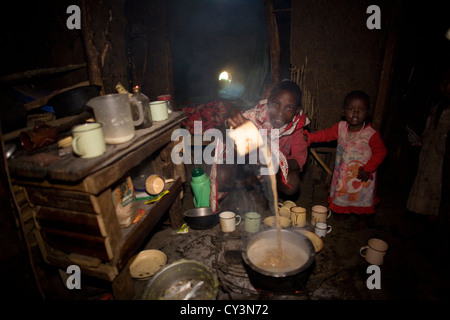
335	53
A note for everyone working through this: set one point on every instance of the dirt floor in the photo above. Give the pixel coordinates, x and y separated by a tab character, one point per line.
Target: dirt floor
415	266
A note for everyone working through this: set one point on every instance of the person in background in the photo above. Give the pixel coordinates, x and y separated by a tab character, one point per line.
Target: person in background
429	194
360	150
282	110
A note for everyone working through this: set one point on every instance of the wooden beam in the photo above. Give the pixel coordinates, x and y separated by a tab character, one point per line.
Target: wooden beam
324	166
60	125
42	101
386	73
274	41
30	74
90	51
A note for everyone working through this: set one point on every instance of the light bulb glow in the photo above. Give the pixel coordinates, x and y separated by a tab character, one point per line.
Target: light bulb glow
224	75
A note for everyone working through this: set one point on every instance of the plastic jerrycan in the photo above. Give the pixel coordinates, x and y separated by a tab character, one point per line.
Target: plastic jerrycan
201	187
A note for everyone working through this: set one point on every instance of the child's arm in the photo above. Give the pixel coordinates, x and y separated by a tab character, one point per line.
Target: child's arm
378	153
324	135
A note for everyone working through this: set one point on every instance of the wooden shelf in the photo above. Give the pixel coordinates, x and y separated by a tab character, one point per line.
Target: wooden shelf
75	212
88	175
136	233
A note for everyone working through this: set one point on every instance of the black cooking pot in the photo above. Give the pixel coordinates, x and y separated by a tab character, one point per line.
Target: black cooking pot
73	101
279	282
201	218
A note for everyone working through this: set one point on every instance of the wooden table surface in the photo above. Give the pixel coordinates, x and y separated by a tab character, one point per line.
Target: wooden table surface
47	165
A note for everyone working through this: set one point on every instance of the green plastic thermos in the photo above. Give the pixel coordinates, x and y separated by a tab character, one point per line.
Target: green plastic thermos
201	187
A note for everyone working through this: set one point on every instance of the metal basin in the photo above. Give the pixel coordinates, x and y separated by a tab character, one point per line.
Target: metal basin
201	218
183	280
73	101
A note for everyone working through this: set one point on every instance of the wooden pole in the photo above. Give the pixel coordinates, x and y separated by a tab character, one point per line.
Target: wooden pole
324	166
274	41
90	51
30	74
41	101
386	72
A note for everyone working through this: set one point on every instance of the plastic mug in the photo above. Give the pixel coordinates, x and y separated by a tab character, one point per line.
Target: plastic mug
374	251
298	216
252	222
321	229
319	214
88	140
228	221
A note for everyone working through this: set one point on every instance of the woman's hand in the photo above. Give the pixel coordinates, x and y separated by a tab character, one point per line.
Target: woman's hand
235	119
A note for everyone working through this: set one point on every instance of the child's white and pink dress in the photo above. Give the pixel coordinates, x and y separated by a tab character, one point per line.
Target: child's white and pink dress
355	149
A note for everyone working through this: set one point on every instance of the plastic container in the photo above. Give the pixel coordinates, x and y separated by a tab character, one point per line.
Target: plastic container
201	187
113	111
168	99
139	102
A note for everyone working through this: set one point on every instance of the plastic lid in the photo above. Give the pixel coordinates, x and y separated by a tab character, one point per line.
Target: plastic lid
164	97
197	172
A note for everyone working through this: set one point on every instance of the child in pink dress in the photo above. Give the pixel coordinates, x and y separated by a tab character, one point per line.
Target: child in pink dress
360	150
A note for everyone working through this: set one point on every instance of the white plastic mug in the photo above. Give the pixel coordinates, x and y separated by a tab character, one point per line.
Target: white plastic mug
88	140
228	221
322	229
374	252
319	214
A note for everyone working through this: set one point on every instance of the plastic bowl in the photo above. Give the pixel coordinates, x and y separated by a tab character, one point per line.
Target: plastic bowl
146	263
271	221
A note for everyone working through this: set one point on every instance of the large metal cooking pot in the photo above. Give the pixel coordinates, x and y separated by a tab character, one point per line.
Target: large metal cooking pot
73	101
201	218
287	281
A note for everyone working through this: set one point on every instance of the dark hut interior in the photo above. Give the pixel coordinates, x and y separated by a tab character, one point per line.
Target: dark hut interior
180	48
